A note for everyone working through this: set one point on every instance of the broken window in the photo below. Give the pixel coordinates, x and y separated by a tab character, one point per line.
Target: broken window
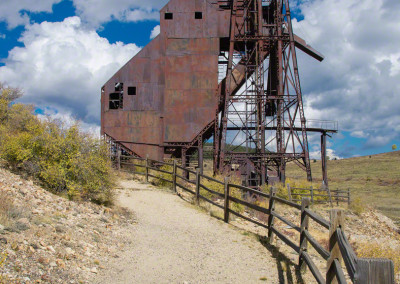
198	15
131	91
119	87
116	100
168	16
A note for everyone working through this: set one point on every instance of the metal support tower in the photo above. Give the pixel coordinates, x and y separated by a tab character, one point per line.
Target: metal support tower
261	126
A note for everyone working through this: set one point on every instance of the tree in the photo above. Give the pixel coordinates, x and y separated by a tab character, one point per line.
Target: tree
394	147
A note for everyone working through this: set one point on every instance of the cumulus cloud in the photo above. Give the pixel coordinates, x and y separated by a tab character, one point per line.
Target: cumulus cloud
69	119
155	32
15	12
357	83
329	153
97	12
62	66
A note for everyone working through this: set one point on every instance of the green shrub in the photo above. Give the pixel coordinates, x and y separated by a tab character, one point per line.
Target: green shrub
66	160
234	192
163	183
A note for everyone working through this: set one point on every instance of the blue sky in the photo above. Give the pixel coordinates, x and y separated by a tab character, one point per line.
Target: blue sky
60	52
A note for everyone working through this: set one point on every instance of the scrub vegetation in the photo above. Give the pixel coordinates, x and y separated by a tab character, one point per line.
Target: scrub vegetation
64	159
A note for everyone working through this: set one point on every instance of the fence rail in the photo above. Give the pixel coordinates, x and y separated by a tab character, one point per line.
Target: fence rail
319	195
358	270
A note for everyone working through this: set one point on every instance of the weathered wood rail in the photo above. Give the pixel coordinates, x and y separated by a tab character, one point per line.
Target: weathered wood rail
319	195
358	270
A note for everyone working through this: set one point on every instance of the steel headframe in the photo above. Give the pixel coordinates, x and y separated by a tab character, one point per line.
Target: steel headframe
265	115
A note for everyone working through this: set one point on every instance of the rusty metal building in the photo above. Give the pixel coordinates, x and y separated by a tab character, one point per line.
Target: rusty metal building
167	100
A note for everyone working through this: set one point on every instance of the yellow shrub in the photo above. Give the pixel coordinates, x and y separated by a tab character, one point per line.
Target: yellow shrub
66	160
3	258
375	250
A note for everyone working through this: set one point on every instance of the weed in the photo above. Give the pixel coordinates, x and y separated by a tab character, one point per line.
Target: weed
357	206
162	177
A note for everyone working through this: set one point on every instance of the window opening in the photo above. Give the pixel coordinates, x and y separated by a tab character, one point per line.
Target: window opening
168	16
119	87
116	101
198	15
131	91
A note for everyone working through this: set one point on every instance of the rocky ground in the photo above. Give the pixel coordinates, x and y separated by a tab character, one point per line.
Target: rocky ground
48	239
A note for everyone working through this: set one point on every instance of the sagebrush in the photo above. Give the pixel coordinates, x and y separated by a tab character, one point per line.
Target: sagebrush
63	158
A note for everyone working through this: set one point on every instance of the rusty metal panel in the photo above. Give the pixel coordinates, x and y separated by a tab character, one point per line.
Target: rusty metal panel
176	78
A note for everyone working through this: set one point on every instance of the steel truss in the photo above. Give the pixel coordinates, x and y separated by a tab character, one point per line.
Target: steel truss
261	125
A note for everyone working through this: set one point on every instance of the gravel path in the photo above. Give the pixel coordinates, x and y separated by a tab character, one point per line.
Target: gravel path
175	243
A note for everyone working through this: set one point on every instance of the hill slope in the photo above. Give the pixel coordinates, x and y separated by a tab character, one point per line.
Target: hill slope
374	179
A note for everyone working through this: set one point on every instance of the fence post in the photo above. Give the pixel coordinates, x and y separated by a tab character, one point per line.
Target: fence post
305	204
312	195
272	193
174	176
336	220
289	192
337	197
226	204
348	196
198	186
119	158
147	168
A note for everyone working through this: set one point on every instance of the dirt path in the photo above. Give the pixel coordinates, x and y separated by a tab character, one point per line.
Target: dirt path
175	243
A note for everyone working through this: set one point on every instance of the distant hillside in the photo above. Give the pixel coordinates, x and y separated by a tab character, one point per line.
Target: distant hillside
374	179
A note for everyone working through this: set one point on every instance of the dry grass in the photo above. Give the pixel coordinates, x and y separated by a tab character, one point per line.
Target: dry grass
375	179
375	250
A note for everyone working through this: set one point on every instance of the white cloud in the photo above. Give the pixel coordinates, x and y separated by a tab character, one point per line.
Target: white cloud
2	36
69	119
63	66
97	12
155	32
329	153
357	83
14	11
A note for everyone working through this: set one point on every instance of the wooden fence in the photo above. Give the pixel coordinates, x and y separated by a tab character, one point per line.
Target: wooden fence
319	195
359	271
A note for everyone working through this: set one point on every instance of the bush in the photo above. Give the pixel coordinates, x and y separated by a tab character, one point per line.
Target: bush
63	158
375	250
357	206
297	187
234	192
163	183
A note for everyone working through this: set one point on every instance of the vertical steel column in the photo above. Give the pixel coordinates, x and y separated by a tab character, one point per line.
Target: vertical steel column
200	153
323	159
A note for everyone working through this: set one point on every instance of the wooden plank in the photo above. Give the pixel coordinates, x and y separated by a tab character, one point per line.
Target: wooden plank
313	268
317	218
185	179
374	271
287	202
248	219
304	220
226	201
285	240
252	190
287	222
323	252
339	272
212	202
184	188
252	206
212	191
212	179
